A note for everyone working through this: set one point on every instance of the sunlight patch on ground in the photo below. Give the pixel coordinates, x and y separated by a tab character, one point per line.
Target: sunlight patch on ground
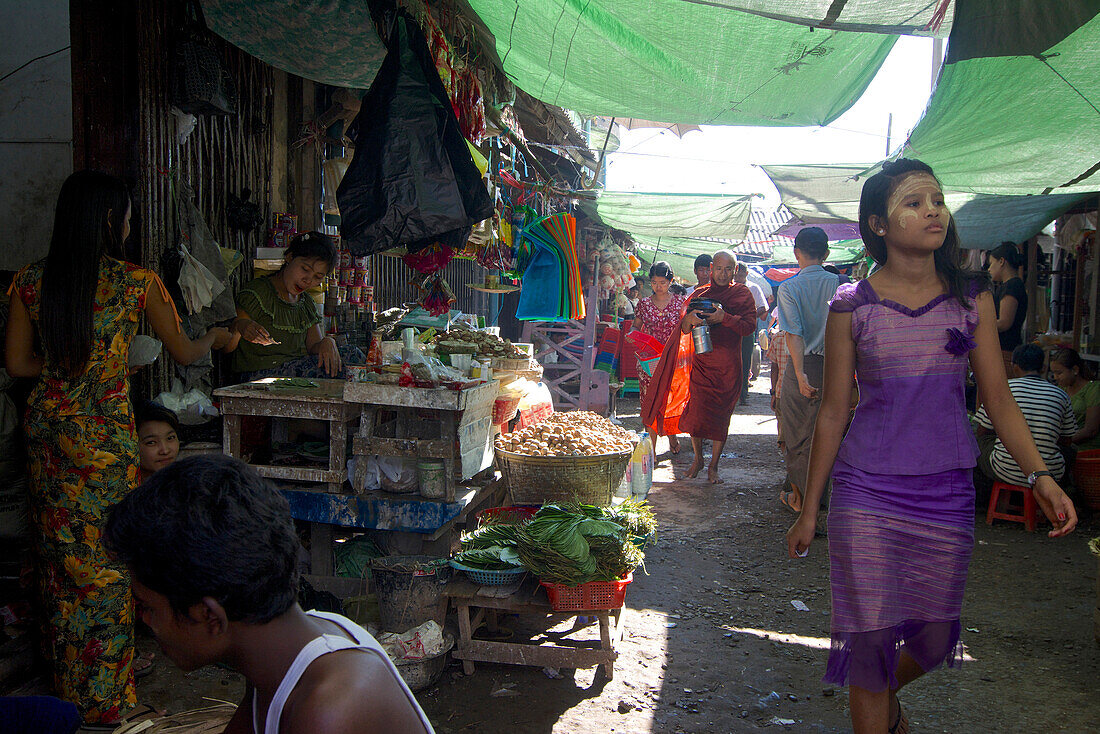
817	643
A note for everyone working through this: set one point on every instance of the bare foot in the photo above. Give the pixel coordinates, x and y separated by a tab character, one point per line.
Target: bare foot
695	468
712	475
673	444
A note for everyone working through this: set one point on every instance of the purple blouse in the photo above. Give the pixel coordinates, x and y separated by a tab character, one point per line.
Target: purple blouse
911	368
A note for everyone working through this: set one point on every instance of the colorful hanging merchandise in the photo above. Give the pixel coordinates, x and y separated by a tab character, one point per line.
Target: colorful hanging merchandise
552	281
435	296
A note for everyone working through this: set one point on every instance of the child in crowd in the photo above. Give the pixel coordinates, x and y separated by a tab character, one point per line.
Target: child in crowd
213	555
901	519
158	432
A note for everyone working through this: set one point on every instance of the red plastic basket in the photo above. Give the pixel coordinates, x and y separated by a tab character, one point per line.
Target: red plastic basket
587	597
513	515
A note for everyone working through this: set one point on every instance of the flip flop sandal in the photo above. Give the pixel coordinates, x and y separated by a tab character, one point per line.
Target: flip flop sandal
501	634
145	669
901	726
785	500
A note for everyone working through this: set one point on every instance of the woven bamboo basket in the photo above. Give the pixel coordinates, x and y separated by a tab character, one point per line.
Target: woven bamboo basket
1086	475
534	480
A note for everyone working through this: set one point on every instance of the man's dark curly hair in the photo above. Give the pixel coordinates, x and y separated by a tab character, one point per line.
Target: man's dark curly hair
210	526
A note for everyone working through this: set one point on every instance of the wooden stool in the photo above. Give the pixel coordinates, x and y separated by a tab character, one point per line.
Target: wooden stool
1016	513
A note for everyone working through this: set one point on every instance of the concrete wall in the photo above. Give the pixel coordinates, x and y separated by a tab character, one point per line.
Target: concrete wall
36	125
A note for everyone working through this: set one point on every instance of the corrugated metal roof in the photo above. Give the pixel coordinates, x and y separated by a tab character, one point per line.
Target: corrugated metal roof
760	240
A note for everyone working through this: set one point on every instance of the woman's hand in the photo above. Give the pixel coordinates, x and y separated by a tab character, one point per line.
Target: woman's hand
222	336
328	357
1056	506
801	534
253	332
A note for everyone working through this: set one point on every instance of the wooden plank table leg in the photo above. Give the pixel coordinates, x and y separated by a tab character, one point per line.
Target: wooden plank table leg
231	436
606	644
320	548
465	634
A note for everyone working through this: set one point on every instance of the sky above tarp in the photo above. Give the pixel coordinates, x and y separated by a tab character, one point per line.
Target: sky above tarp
673	215
677	61
1015	110
898	17
822	193
329	41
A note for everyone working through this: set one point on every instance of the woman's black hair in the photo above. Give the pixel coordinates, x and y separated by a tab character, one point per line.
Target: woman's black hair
312	245
948	258
660	269
151	411
1069	358
87	225
1009	252
209	525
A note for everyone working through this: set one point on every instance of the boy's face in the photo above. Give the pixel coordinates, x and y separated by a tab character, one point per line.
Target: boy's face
190	642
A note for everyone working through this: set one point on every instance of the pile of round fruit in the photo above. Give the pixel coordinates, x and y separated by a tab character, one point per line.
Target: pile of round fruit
573	433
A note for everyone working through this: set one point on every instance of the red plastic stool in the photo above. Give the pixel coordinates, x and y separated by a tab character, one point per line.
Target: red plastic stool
1017	513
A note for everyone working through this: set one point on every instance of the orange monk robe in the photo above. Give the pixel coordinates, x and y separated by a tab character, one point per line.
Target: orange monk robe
713	379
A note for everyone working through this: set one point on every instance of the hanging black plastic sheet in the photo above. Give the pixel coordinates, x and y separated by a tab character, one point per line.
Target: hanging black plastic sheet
412	180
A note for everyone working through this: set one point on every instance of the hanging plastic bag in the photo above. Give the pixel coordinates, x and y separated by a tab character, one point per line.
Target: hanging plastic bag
198	284
412	180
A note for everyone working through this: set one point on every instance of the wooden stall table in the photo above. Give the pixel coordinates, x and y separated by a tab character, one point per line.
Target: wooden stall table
452	425
528	597
320	496
267	399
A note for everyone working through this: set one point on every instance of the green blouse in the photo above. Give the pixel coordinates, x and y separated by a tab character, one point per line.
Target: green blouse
1087	397
286	322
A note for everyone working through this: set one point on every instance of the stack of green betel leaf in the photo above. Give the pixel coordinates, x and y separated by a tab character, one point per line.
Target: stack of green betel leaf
491	548
574	544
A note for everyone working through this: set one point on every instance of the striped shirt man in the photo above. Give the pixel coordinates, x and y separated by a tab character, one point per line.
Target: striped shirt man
1048	413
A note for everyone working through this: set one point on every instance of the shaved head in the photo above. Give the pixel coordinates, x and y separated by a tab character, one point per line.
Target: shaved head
723	268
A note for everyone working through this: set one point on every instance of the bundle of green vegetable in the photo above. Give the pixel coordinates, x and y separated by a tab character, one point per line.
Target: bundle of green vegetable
575	544
636	517
491	548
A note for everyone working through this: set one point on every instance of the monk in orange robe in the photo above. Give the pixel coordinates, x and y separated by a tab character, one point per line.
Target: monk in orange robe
714	378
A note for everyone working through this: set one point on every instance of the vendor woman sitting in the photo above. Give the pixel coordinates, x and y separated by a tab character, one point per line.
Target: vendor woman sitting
278	330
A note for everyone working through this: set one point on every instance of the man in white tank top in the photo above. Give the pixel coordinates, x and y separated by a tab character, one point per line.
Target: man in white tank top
213	554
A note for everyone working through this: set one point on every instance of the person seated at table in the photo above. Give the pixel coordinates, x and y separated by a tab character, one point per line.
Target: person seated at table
1046	410
213	554
158	431
1073	375
278	330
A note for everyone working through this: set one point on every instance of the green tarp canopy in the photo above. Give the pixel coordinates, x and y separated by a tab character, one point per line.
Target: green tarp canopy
898	17
332	42
688	62
842	252
829	193
1015	107
673	215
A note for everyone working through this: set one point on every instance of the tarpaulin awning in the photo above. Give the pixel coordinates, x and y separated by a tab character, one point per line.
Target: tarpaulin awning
833	230
1015	110
673	215
686	246
840	253
329	41
824	193
688	62
898	17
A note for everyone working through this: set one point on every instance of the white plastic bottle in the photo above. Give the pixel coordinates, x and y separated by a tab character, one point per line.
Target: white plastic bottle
641	469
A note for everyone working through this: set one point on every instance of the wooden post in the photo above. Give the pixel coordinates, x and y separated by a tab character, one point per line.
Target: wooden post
1031	325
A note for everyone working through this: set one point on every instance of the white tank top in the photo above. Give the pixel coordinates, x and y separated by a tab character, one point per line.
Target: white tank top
361	640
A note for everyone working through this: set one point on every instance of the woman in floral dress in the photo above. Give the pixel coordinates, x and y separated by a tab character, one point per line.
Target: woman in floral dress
659	316
73	315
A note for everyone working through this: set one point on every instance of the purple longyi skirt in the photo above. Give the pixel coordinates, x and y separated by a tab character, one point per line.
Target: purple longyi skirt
899	549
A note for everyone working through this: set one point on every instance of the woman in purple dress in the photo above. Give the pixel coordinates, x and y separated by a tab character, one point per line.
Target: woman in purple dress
902	509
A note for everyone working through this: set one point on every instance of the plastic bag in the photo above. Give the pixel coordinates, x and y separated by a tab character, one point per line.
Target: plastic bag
421	642
143	350
198	284
412	180
191	407
396	474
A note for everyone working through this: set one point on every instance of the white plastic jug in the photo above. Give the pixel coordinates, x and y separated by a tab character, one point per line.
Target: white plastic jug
641	468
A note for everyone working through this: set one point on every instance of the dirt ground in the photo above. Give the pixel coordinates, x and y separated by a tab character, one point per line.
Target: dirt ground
714	644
